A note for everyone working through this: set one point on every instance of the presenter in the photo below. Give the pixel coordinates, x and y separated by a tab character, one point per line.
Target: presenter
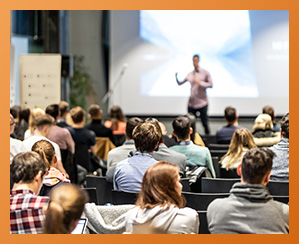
200	80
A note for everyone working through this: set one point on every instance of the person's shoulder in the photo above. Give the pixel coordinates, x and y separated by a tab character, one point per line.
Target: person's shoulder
187	211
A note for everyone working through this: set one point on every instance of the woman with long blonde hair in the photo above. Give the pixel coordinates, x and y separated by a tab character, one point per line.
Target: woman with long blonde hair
160	204
242	141
65	209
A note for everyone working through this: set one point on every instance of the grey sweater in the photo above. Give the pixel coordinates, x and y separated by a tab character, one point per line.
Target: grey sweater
249	209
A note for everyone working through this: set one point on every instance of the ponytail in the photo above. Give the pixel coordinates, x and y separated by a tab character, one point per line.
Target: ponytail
41	152
46	150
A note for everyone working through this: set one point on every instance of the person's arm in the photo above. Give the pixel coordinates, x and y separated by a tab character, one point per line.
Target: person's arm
208	81
177	80
69	141
210	163
110	173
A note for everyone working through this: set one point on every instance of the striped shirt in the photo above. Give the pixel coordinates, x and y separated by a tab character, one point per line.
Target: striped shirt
26	212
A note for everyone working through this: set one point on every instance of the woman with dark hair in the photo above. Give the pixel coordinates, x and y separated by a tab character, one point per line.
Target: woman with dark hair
160	205
53	177
65	209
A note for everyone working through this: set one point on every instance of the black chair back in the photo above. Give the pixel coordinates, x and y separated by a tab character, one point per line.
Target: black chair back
185	184
278	188
67	159
209	139
218	153
203	227
283	199
196	176
213	146
201	201
121	197
92	193
231	173
103	188
119	139
218	185
216	166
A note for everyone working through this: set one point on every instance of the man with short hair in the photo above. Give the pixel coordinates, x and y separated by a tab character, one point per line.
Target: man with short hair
129	172
280	168
96	114
225	133
59	135
63	110
250	209
43	126
196	155
84	139
26	207
270	110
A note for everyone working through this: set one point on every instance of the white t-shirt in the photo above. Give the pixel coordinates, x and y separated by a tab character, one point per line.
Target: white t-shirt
16	146
28	143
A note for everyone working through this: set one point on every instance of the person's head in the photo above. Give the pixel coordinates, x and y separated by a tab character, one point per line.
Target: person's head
230	114
155	122
25	113
95	111
77	115
28	168
269	110
284	126
35	113
241	139
182	128
256	166
117	113
12	124
163	128
196	59
43	124
192	119
15	111
63	108
53	110
263	122
146	137
46	150
161	187
131	124
65	209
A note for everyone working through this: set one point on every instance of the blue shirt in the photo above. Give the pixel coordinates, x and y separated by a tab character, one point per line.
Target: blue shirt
196	155
128	173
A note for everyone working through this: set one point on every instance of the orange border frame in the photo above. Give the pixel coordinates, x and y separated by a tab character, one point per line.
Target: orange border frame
129	5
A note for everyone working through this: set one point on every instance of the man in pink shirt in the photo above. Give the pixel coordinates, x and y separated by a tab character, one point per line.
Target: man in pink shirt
200	80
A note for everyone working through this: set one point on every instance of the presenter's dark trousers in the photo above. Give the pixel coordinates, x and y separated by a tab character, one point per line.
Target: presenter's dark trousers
201	113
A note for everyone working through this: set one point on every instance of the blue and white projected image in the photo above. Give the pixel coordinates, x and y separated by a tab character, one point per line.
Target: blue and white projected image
221	37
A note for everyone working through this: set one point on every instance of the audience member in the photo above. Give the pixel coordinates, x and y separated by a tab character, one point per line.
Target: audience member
269	110
250	209
23	122
35	113
96	114
59	135
160	205
26	207
15	112
225	133
53	177
63	111
195	137
16	146
263	131
129	172
65	209
168	141
280	168
43	126
242	141
84	139
196	155
122	152
117	124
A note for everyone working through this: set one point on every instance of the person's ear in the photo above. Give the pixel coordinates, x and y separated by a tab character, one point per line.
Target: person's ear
239	169
237	116
38	177
267	178
55	160
191	131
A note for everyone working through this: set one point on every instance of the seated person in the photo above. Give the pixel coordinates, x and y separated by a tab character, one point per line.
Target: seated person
263	131
241	143
26	207
96	114
63	112
250	209
269	110
196	155
65	209
16	146
160	206
280	168
129	172
53	177
84	139
225	133
195	137
35	113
